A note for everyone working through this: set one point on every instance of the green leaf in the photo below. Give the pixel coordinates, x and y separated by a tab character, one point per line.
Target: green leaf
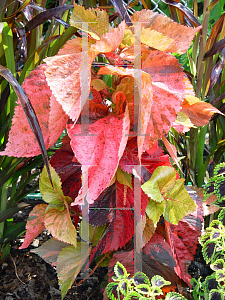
123	177
94	233
113	291
143	289
174	296
133	296
219	264
120	271
154	210
140	278
52	195
50	250
69	264
216	294
123	286
163	187
159	281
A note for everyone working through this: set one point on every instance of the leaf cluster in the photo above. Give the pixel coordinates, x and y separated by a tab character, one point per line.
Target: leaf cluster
213	250
138	286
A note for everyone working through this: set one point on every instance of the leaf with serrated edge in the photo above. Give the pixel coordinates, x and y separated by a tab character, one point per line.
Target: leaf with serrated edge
51	117
69	264
97	20
69	70
35	224
57	215
50	250
162	33
162	186
123	177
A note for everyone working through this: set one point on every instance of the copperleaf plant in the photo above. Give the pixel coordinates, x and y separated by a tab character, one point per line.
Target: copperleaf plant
117	93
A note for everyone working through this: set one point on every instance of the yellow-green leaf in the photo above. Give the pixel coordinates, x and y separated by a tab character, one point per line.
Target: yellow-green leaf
123	177
163	187
69	264
97	21
52	195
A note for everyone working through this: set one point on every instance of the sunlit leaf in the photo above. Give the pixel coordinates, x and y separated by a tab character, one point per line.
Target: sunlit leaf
162	33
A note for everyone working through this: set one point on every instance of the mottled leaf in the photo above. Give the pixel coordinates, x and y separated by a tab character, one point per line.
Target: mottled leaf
57	211
68	266
162	33
96	19
162	187
35	224
50	250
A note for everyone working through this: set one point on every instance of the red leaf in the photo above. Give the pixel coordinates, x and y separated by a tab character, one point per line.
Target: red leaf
66	71
149	160
99	152
120	214
35	224
51	117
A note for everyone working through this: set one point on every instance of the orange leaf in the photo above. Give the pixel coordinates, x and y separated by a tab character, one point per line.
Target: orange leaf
199	112
162	33
172	151
145	90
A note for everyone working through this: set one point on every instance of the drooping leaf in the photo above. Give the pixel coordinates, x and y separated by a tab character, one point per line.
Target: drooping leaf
69	264
164	188
35	224
172	151
52	119
50	250
96	19
72	69
170	85
57	216
99	152
199	112
161	33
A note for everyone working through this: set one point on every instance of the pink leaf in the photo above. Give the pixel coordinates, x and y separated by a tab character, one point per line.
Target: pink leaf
99	152
51	117
35	224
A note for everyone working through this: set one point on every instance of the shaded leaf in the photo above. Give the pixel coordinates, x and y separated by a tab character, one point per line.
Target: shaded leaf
216	48
35	224
57	211
172	151
123	177
150	160
50	250
162	33
68	266
42	17
52	119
